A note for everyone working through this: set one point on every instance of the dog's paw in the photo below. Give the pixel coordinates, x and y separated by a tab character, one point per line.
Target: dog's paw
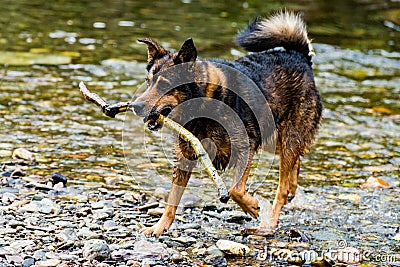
156	230
248	204
260	231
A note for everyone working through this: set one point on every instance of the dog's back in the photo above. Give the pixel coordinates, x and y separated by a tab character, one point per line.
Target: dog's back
281	67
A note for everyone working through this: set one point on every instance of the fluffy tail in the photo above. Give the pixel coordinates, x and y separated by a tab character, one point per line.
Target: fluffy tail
284	29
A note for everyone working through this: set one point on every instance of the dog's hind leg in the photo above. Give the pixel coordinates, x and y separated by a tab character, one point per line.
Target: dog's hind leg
238	189
180	178
288	172
294	175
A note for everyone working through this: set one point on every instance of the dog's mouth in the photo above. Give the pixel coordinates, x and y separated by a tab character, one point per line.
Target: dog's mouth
152	119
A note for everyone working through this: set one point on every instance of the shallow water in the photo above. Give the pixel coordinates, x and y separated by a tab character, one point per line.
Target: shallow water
357	69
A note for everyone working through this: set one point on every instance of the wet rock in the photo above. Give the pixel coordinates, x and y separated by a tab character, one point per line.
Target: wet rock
235	216
186	226
46	206
67	235
155	250
22	153
397	237
232	248
176	257
14	259
96	249
191	201
213	250
322	262
97	205
85	233
184	239
375	183
22	245
298	235
110	225
161	193
28	262
349	255
59	178
217	261
48	263
103	213
8	198
156	211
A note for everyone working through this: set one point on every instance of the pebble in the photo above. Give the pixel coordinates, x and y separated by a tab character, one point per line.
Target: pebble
189	226
8	198
232	248
22	245
95	249
322	262
217	261
67	235
14	259
213	250
59	178
87	234
184	239
161	193
156	211
28	262
40	254
97	205
110	225
22	153
48	263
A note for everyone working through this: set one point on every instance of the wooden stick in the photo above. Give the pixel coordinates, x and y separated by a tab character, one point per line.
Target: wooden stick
114	109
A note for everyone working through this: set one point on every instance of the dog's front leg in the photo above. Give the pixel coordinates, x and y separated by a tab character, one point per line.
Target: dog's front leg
238	189
180	178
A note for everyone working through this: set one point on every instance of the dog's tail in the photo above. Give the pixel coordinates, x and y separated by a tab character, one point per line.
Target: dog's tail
284	29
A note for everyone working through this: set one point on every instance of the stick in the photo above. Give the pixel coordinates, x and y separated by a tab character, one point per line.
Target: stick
114	109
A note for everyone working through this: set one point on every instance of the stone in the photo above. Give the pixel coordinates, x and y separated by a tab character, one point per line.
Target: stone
213	250
22	153
214	260
8	197
156	211
67	235
184	239
232	248
48	263
22	245
28	262
59	178
96	249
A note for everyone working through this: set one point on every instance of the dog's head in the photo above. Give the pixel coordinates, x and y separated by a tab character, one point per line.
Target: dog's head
164	92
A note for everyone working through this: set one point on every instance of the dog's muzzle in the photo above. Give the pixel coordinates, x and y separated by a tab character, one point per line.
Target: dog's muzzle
150	118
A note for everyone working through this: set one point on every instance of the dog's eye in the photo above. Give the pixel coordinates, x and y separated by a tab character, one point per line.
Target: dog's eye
147	81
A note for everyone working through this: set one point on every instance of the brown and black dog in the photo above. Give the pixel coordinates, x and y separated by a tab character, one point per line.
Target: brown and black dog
280	67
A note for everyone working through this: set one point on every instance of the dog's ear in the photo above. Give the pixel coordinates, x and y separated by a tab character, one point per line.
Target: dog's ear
154	50
187	53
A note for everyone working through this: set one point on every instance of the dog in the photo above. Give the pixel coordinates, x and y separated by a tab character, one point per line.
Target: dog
280	65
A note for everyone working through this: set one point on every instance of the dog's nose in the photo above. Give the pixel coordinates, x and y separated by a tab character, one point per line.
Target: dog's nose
138	107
